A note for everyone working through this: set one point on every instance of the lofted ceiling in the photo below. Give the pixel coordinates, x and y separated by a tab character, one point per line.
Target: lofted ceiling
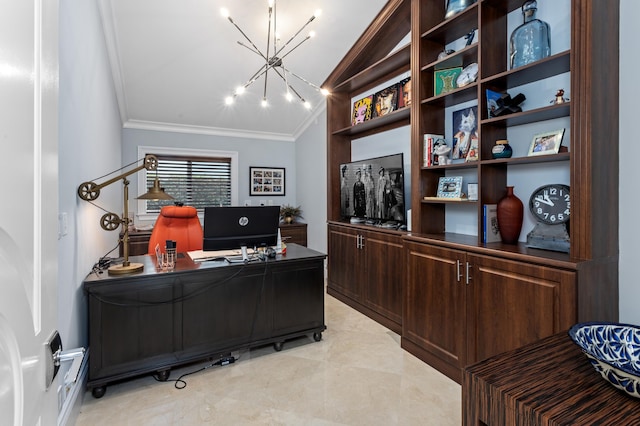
174	62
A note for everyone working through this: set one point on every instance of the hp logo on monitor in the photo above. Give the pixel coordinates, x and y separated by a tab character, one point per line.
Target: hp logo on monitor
243	221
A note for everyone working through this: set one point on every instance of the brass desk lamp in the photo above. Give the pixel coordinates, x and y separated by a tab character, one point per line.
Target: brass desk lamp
90	191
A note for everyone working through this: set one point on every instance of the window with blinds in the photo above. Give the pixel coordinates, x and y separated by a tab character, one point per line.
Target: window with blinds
194	181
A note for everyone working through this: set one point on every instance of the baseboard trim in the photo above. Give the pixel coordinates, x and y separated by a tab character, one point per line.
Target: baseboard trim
70	409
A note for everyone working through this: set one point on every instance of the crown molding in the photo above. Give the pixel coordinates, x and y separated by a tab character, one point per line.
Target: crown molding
205	130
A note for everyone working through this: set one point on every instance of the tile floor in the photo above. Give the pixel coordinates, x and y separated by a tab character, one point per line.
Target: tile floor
357	375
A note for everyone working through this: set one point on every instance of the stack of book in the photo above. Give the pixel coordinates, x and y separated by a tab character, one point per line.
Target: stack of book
430	142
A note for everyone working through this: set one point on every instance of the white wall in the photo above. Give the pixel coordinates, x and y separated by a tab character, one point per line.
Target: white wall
311	195
251	152
629	283
89	147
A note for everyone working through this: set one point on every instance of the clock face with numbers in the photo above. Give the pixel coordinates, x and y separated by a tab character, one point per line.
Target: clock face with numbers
551	204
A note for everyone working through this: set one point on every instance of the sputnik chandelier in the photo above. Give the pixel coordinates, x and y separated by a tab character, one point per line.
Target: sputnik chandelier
273	59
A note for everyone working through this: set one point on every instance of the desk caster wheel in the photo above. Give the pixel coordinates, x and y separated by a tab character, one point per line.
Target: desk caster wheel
317	336
278	346
99	391
163	375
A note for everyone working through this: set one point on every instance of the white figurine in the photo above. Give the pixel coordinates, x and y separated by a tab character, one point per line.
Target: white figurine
442	151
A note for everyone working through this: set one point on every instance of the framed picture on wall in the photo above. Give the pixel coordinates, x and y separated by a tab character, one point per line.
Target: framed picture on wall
266	181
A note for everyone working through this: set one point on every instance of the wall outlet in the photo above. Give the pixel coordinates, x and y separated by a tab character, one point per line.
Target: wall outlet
263	202
247	202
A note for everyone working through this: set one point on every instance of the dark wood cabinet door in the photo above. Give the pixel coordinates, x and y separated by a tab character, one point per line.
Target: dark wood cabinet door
384	275
515	303
345	262
130	326
298	300
434	314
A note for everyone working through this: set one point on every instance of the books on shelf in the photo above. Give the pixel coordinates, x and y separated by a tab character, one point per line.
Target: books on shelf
490	230
431	141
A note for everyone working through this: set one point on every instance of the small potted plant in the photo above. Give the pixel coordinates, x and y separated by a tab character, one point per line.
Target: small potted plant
289	214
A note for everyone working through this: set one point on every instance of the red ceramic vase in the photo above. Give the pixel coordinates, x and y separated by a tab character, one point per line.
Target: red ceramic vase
510	211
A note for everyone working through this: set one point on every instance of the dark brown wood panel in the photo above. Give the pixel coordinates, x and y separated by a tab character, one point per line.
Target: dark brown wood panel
549	382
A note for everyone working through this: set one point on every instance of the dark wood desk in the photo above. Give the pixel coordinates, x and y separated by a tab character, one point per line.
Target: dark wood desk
549	382
154	320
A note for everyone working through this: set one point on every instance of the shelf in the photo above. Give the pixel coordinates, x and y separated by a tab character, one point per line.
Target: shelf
531	116
454	97
454	166
396	118
442	200
455	27
457	59
539	70
561	156
397	62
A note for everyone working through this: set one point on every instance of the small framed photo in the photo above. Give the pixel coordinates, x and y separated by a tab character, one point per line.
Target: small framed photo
492	102
362	109
465	134
445	80
266	180
546	143
450	187
404	100
472	191
385	101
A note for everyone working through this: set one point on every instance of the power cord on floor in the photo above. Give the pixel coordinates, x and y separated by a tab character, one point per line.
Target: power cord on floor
181	384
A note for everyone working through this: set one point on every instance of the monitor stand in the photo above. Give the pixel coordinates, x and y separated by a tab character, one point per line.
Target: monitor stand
243	258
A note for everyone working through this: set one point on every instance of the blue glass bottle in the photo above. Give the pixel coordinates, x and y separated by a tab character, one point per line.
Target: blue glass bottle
531	41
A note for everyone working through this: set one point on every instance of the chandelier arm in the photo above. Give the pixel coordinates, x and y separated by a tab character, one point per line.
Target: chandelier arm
295	35
290	86
256	76
244	35
266	71
294	47
301	78
257	52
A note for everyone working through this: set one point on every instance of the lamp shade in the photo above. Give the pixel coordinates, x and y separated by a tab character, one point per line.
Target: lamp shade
155	193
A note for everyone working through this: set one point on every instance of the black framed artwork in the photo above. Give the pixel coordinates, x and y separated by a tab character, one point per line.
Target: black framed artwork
267	181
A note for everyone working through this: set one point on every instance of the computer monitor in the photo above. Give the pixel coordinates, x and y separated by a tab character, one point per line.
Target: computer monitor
229	228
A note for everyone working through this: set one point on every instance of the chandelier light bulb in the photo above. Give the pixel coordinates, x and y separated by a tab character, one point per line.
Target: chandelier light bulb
289	96
324	92
307	105
312	34
228	100
317	13
239	90
270	3
224	12
264	103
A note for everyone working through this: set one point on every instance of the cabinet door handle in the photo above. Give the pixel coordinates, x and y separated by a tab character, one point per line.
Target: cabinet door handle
468	274
361	242
458	272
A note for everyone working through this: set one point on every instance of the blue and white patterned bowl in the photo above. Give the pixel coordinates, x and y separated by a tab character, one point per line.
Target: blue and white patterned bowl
614	351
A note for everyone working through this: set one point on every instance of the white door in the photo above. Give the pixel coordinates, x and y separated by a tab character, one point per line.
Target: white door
28	212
